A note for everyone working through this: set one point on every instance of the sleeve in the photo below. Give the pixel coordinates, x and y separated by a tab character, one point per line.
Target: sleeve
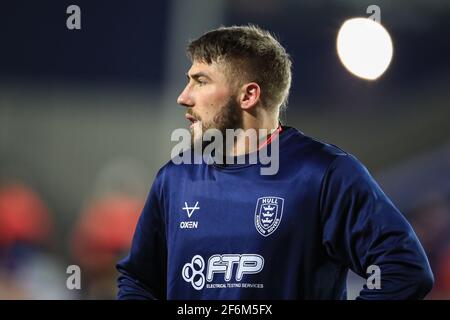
362	228
142	274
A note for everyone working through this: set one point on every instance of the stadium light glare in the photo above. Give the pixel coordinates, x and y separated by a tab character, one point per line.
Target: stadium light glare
364	47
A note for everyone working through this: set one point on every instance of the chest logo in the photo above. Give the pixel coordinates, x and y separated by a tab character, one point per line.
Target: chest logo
190	210
189	224
268	214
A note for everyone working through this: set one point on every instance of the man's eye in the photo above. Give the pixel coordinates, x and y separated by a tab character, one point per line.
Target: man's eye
200	82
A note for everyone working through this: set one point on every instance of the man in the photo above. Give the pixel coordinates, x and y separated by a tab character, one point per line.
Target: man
226	231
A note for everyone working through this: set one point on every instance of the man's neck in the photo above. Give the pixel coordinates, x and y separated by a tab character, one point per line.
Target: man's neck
253	136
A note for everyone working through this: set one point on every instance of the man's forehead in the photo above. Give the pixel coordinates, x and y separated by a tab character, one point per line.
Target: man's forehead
212	70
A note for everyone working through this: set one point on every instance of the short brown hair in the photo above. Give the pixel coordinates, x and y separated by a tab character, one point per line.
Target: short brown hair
251	55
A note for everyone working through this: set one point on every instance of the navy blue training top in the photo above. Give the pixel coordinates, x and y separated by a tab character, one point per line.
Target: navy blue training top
210	231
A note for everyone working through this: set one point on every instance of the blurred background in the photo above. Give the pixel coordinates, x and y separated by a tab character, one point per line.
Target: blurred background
86	117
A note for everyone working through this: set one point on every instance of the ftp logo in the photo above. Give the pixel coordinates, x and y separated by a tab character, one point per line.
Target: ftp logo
193	272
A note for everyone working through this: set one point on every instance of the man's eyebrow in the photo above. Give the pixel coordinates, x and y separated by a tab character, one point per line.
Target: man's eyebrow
197	75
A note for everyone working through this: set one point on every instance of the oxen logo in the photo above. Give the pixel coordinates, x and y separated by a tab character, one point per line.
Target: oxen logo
268	213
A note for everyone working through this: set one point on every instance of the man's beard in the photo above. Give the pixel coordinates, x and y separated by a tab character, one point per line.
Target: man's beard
229	117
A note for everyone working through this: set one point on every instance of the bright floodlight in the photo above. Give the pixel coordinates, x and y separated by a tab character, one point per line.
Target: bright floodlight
364	47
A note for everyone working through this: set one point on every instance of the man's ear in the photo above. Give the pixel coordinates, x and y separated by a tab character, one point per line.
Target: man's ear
250	95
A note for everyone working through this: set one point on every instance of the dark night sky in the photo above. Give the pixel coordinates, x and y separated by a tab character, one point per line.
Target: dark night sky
124	42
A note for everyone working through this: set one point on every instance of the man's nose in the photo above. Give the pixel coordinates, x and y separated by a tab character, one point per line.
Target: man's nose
184	98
